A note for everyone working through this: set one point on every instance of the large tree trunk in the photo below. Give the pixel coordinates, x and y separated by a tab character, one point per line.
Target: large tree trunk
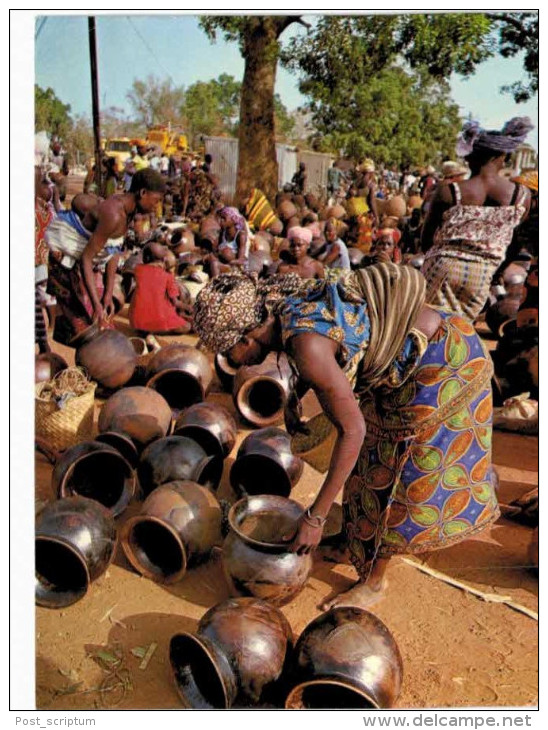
257	165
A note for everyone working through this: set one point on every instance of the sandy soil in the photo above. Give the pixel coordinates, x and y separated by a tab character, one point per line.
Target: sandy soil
458	650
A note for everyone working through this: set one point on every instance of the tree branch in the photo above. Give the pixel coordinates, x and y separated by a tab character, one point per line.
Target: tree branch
507	18
285	21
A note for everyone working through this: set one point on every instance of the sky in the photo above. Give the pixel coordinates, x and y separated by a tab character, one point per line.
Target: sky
133	47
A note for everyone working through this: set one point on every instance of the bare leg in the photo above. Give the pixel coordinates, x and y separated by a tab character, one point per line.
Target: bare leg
362	594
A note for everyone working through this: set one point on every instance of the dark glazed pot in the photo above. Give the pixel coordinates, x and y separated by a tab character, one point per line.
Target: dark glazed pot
256	561
210	425
177	458
260	391
97	471
74	544
179	524
47	365
225	372
265	464
141	413
122	443
107	355
237	656
181	373
345	659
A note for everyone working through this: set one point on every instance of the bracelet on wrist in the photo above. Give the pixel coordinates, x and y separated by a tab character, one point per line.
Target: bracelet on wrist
314	520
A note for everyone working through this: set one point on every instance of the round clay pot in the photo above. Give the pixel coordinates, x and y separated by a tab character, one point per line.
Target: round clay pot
178	525
47	365
236	657
122	443
415	201
312	201
74	544
336	211
395	206
97	471
139	345
141	413
225	372
210	425
276	227
107	355
177	458
265	464
260	391
356	257
345	659
259	261
181	374
503	310
286	210
255	559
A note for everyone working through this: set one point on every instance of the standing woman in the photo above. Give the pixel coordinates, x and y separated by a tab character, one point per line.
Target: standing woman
470	224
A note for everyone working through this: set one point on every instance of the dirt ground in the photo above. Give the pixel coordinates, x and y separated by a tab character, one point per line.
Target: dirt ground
457	650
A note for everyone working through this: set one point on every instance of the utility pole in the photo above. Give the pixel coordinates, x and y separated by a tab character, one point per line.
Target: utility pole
95	101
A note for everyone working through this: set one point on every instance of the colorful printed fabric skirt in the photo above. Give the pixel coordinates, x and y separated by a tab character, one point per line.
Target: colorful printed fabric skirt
458	284
424	480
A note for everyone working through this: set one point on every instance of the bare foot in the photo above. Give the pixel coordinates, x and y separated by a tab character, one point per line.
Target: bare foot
361	595
333	553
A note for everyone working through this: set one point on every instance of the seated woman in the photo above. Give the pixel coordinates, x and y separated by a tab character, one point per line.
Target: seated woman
156	304
337	251
298	261
233	247
385	249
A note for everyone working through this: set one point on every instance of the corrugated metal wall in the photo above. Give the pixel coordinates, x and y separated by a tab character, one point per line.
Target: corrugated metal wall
287	163
224	151
317	165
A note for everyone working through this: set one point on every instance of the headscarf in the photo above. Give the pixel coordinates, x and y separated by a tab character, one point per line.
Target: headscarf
233	215
395	234
233	304
367	166
304	234
474	137
529	179
452	169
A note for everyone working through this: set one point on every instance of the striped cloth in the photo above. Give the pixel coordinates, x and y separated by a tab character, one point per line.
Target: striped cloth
258	211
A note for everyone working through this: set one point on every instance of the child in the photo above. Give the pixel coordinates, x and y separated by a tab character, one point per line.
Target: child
337	252
156	302
299	261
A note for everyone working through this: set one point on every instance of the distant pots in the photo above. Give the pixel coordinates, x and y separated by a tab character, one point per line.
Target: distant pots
75	541
210	425
47	365
256	559
260	391
265	464
286	210
177	458
107	355
178	525
96	471
181	374
141	413
345	659
237	656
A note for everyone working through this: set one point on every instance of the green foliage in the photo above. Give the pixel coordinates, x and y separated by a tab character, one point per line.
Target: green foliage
156	102
519	33
79	140
50	113
284	124
212	107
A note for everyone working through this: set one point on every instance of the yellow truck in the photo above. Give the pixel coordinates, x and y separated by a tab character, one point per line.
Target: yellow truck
119	148
168	140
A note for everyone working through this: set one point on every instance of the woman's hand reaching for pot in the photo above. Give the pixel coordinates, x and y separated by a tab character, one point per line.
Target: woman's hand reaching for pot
306	537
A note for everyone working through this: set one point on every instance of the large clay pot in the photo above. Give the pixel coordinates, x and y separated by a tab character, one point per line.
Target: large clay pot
182	241
256	561
415	201
260	391
177	458
141	413
97	471
74	544
122	443
504	309
395	206
225	372
286	210
107	355
356	257
258	262
336	211
345	659
178	525
181	374
265	464
47	365
210	425
236	657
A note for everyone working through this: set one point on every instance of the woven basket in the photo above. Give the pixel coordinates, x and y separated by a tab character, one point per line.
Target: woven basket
66	426
317	446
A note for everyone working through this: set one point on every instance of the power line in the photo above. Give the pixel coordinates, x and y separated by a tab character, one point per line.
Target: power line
150	50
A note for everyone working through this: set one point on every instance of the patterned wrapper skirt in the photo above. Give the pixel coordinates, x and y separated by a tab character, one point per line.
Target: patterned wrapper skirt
423	480
461	285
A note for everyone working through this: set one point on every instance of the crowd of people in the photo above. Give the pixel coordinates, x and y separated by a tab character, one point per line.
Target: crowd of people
372	290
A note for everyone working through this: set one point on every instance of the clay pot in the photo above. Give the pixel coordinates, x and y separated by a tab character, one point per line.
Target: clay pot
293	221
237	656
258	261
97	471
256	561
286	210
141	413
356	257
181	374
345	659
505	309
107	355
312	201
177	458
210	425
122	443
225	372
260	391
74	544
276	227
47	365
178	525
265	464
395	206
415	201
139	345
336	211
262	241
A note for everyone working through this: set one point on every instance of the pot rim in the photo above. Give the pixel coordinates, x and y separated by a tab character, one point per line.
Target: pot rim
151	382
253	416
204	647
224	365
273	463
182	431
345	682
240	504
126	438
125	536
66	544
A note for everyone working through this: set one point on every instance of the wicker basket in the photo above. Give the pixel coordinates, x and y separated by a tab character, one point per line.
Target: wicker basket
66	426
317	446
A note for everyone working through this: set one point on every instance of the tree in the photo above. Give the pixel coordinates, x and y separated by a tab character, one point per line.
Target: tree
156	102
50	114
79	140
284	124
519	33
211	107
